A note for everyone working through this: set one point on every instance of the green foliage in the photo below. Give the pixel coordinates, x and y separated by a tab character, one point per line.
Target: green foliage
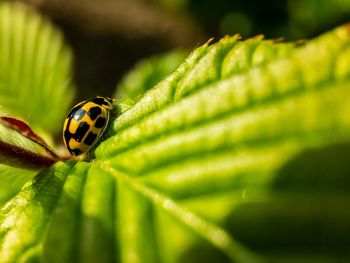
148	73
35	69
35	72
309	16
12	179
288	18
239	155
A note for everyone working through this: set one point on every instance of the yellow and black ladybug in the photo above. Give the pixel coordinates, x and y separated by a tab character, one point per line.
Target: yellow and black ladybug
85	124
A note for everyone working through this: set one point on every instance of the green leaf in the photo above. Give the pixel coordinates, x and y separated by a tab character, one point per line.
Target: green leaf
240	155
148	73
35	73
21	147
12	179
24	218
35	69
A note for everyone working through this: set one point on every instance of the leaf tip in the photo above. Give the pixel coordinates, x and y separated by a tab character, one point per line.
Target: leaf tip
258	37
344	30
210	41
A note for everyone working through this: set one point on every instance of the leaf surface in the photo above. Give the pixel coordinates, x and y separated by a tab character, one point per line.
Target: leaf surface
148	73
240	155
35	74
35	69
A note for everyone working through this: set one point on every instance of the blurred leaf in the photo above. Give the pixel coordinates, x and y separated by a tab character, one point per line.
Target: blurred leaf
12	180
148	73
25	130
21	147
306	17
240	155
35	69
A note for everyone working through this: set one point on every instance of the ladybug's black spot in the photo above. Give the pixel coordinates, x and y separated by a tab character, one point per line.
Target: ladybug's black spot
94	112
75	151
81	131
79	114
100	122
90	138
67	135
100	101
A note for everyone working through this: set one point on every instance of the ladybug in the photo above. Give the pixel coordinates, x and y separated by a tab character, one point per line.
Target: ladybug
86	123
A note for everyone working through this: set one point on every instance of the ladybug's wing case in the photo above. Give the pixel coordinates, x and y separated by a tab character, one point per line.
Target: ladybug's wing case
84	126
75	108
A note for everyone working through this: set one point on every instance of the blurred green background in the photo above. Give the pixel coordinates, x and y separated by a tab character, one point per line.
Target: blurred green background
110	36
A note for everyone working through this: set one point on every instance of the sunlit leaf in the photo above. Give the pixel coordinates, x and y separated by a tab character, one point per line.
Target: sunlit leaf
12	179
240	155
25	130
21	147
35	69
35	73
